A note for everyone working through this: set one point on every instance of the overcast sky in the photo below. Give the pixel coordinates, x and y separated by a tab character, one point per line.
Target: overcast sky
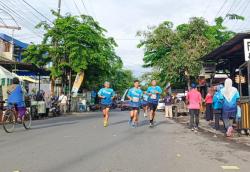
123	18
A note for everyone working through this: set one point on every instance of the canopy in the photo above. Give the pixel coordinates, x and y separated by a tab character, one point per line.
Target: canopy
4	73
29	79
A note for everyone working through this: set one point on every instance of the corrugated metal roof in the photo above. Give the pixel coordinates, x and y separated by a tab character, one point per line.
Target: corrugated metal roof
233	44
16	42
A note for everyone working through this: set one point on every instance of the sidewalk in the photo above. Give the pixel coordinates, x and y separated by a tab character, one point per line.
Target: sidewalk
205	127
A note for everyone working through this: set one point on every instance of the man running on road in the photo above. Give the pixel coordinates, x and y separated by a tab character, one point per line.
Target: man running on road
154	93
134	95
106	94
145	104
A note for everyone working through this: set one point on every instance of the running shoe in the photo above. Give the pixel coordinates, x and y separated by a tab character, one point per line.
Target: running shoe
192	129
195	129
129	122
134	125
151	124
229	132
105	123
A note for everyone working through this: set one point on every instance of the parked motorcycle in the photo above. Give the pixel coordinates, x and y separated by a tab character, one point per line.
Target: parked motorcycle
55	107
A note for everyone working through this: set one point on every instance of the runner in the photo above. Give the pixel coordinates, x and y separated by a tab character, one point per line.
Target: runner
154	93
145	104
134	95
106	94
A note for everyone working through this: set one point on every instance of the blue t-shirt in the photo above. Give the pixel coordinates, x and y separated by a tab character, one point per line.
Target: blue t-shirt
154	97
107	93
136	95
217	100
16	97
145	97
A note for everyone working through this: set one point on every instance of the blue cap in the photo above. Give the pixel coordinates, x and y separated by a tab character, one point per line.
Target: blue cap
193	85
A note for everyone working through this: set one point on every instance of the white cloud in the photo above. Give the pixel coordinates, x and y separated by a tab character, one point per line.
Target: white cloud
123	18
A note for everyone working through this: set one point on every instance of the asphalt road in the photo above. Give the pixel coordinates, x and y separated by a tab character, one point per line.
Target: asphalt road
79	143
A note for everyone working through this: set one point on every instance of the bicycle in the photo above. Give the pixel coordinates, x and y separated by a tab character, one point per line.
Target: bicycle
10	117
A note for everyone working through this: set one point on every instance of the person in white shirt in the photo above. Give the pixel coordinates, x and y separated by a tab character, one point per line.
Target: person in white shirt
63	102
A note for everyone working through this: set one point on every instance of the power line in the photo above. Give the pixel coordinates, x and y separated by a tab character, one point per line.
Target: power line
20	17
37	11
20	10
12	18
228	12
222	6
248	2
242	13
77	7
84	6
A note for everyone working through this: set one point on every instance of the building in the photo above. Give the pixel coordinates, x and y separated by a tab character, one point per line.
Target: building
10	48
230	59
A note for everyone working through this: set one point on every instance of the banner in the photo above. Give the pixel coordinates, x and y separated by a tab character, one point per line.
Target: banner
77	83
247	49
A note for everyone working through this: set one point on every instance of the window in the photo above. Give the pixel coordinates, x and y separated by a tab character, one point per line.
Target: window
3	82
6	47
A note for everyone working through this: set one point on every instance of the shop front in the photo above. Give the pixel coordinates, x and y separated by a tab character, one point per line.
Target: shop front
230	60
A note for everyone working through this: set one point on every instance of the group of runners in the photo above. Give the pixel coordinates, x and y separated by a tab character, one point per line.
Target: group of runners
137	98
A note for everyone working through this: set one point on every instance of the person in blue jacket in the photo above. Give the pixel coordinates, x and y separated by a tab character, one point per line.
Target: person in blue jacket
154	93
16	97
135	96
106	95
229	108
217	106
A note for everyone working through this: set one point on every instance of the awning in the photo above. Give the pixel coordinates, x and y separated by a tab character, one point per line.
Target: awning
29	79
23	67
4	73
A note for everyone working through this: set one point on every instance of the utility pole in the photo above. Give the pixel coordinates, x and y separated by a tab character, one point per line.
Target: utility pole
59	7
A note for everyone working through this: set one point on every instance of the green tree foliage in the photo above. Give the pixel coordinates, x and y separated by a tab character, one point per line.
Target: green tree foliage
174	53
76	43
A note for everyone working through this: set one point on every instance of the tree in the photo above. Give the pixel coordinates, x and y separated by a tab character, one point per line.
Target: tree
74	43
174	53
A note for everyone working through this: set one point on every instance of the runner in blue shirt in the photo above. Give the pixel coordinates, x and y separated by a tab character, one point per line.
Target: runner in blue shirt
106	94
134	95
154	93
145	104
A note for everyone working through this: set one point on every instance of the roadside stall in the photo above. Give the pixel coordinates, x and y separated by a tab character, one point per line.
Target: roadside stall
232	59
23	71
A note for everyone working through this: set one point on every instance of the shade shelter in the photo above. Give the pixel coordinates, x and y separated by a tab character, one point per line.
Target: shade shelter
229	58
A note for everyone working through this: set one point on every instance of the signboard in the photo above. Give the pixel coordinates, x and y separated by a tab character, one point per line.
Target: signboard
77	83
209	67
240	79
247	49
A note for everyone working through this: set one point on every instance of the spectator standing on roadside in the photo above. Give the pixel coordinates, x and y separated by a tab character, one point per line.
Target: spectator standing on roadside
168	100
194	101
209	106
63	102
217	106
229	108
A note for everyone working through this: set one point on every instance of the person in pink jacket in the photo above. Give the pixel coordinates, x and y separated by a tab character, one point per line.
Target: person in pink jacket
209	105
194	101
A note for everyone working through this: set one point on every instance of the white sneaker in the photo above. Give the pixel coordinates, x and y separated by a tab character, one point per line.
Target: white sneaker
145	115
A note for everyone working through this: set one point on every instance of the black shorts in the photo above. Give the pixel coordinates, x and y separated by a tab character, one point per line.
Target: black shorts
152	106
134	108
103	106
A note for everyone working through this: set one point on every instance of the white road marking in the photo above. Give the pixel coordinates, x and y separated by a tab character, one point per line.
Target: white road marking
230	167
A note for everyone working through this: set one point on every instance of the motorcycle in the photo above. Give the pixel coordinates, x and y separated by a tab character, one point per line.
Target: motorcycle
55	107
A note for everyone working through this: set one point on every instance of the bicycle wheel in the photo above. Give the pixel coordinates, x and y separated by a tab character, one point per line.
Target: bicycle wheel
26	120
9	121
